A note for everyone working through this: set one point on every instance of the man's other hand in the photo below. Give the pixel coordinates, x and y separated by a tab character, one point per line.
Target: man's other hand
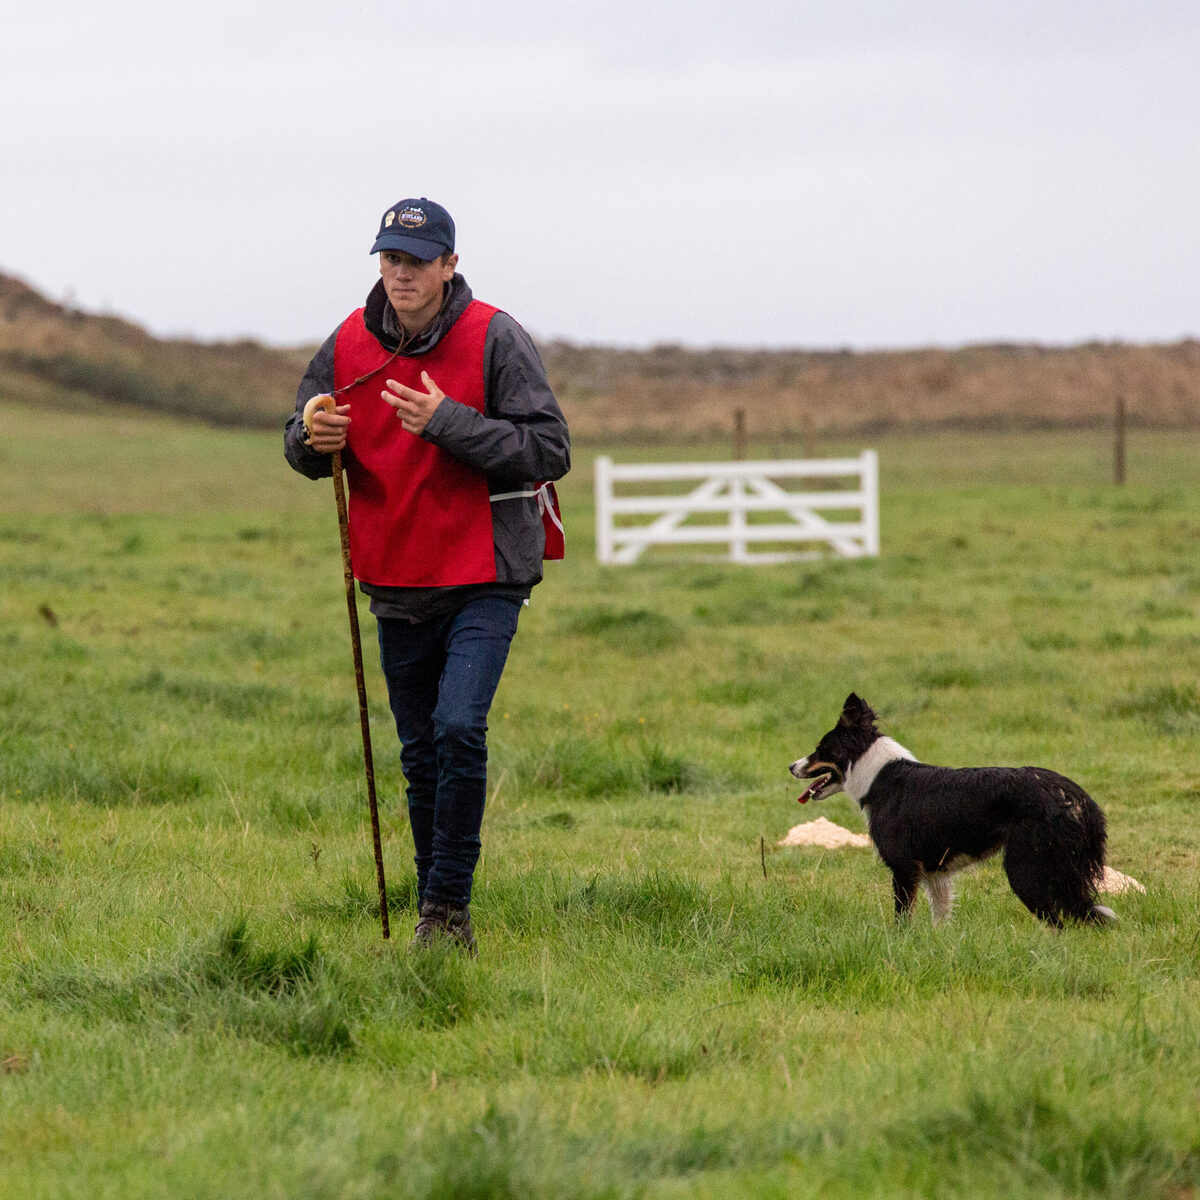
413	407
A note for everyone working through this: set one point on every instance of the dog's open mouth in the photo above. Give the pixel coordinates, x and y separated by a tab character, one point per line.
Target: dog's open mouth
825	777
814	789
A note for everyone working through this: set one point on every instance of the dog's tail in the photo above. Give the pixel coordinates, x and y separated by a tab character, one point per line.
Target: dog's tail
1079	829
1055	858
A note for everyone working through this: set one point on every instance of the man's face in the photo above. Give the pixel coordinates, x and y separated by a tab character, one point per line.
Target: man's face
413	287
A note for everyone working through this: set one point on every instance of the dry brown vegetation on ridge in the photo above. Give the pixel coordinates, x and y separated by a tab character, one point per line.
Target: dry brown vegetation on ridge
668	391
55	355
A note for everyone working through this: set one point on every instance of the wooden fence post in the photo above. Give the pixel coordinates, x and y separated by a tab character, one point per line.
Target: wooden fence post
1119	442
739	434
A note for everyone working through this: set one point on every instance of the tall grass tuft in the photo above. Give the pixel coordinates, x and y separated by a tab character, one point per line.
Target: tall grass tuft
438	988
636	631
1169	708
237	962
576	764
355	897
106	776
230	699
288	996
665	903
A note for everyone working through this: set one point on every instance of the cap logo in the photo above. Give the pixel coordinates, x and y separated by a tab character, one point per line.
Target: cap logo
411	218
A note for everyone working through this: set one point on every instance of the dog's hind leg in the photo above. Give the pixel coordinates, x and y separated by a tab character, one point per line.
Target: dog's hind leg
904	887
939	891
1053	870
1035	869
1029	874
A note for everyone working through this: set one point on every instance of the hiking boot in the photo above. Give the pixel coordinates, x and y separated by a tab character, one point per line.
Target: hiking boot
440	919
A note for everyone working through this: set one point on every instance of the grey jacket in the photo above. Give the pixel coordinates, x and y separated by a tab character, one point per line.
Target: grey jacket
519	439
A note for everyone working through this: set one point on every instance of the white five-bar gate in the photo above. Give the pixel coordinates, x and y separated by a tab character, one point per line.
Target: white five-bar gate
759	509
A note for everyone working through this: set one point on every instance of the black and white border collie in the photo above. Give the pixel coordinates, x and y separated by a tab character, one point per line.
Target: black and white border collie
928	822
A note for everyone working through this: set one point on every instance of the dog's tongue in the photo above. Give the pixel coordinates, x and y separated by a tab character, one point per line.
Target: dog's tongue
813	789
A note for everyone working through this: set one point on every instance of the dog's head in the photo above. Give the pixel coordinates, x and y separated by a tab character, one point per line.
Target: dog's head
837	751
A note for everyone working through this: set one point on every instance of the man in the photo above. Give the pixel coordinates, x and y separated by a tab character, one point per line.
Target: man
446	424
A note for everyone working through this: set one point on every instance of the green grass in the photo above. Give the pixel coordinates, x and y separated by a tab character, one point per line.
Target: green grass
194	997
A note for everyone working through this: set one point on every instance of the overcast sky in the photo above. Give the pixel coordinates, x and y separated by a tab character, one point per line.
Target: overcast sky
749	172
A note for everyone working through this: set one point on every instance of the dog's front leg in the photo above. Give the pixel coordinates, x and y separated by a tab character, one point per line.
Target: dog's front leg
905	878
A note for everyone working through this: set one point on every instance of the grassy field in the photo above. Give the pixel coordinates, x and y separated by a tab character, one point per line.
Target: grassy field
194	997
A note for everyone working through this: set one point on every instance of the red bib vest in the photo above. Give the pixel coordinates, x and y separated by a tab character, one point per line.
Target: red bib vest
418	516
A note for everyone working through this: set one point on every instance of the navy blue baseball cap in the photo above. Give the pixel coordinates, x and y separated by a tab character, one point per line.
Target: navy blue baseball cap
418	227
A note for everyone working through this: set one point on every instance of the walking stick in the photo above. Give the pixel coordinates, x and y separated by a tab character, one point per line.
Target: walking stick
339	491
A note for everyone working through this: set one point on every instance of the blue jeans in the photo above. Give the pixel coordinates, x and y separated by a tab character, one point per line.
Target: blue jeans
441	677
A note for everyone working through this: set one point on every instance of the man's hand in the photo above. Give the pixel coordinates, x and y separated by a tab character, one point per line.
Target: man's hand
329	429
414	408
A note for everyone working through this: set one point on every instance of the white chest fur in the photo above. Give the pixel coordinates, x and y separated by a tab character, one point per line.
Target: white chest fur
862	773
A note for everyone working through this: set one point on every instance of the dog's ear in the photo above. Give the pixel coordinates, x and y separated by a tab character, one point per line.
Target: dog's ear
856	712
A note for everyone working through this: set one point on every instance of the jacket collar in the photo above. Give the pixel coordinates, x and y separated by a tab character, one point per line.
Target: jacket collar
382	324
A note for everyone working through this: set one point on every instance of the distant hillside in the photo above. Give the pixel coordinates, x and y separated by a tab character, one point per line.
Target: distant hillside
55	355
51	354
791	393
